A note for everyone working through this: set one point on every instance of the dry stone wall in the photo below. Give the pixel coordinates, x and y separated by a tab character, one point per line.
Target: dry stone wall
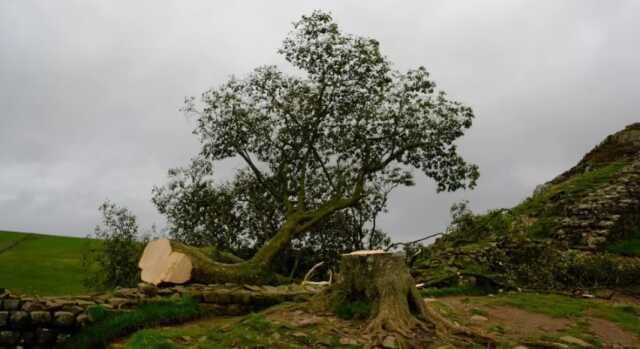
41	322
595	219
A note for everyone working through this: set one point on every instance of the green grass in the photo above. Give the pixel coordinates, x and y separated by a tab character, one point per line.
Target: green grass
42	264
570	189
625	315
254	331
115	325
250	331
149	339
456	291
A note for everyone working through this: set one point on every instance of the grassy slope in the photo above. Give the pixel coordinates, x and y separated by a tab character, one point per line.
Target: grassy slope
41	264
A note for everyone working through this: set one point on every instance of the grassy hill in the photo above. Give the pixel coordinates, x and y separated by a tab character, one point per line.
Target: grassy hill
580	230
41	264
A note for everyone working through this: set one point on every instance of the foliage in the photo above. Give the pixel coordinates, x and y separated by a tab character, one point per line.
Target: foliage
42	265
541	228
540	265
628	247
598	270
115	325
239	216
336	136
114	262
467	227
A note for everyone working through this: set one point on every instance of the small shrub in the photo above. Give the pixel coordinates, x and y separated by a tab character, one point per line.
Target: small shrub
114	262
541	228
629	247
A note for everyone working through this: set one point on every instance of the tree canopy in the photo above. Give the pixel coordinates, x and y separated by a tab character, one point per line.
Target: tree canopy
342	129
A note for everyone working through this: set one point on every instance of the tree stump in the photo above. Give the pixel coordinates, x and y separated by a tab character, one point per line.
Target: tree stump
397	309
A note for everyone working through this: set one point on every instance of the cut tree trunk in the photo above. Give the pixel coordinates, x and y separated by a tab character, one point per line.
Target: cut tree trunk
399	316
382	279
165	261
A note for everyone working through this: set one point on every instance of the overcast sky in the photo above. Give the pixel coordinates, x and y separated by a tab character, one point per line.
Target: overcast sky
90	92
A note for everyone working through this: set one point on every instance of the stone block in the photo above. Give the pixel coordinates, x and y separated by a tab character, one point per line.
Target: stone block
40	317
11	304
64	319
19	319
33	306
4	318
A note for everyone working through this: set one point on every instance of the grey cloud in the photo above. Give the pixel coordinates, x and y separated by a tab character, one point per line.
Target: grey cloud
90	91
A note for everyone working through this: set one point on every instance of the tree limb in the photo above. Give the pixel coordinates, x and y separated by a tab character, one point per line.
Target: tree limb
394	245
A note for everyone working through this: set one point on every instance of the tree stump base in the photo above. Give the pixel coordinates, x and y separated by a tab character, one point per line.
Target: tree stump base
398	312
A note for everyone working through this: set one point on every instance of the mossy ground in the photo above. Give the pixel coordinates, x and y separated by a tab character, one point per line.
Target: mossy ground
286	326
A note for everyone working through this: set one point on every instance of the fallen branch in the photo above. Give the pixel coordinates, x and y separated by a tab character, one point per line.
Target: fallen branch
396	244
316	283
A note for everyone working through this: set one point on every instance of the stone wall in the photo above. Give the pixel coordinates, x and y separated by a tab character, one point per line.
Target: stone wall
41	322
597	218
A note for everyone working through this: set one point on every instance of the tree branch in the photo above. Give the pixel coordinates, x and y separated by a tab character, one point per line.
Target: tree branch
394	245
257	173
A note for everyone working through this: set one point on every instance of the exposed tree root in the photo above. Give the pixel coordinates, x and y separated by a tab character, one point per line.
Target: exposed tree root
450	331
399	316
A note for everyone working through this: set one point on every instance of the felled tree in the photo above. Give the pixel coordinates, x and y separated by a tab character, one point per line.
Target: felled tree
323	140
239	216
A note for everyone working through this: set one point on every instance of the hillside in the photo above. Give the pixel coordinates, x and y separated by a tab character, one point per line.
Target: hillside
41	264
580	230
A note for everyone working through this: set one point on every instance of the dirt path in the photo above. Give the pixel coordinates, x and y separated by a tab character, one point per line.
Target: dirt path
512	326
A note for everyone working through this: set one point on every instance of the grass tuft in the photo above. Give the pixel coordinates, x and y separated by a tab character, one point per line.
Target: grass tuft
115	325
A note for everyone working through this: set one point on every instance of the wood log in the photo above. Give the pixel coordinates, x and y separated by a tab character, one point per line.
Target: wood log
166	261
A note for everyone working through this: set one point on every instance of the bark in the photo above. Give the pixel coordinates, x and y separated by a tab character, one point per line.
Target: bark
168	261
165	261
398	310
